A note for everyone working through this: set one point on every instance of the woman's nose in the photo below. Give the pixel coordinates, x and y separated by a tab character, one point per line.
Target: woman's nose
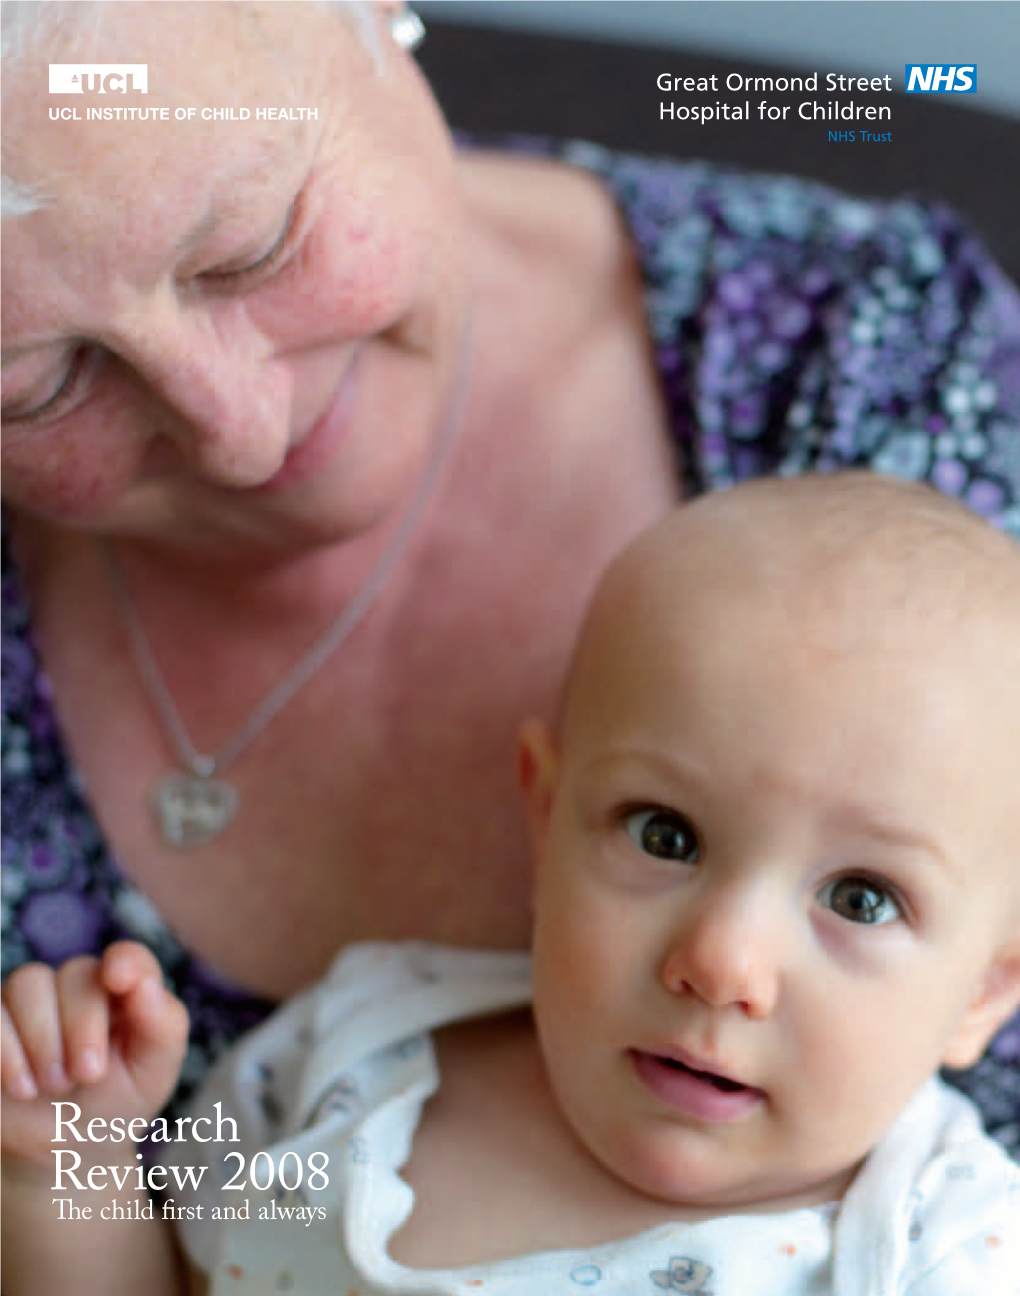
223	401
726	953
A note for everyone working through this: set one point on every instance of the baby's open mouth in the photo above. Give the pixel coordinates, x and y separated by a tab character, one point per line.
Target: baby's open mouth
722	1083
695	1092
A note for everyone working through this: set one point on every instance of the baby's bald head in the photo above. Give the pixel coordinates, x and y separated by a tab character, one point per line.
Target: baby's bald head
851	547
848	570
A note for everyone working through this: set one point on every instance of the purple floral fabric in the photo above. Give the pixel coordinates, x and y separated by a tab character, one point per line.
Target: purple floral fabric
61	892
797	330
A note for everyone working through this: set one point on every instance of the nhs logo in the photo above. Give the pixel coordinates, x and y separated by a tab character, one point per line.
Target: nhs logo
940	78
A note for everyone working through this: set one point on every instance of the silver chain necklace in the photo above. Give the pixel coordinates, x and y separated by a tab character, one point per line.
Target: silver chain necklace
194	804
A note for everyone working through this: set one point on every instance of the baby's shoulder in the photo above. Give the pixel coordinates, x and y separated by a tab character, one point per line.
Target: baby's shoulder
941	1202
963	1214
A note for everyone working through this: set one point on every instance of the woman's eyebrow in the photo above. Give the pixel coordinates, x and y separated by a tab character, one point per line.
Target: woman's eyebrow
10	355
263	166
199	233
268	156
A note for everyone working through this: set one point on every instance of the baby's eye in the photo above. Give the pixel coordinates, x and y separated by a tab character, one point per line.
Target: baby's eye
859	900
664	834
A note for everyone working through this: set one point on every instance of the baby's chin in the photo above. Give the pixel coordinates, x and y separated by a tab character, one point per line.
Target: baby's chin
702	1183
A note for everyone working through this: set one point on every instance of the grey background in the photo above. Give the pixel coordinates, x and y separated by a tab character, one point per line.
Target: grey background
865	37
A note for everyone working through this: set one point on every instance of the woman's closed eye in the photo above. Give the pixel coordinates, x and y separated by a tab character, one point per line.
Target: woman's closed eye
87	357
861	900
665	834
81	369
258	268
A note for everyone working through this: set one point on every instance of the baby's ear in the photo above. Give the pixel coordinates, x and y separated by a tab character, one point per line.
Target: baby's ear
995	1003
537	765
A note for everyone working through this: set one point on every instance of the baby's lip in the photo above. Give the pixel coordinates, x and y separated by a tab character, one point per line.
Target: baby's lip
696	1087
708	1067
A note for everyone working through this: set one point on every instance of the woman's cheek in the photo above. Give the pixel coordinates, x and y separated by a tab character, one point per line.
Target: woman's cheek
357	273
70	476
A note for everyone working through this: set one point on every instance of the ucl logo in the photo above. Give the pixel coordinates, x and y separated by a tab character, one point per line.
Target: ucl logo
941	78
106	78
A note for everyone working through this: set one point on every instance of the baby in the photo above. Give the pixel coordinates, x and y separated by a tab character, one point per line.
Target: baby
776	886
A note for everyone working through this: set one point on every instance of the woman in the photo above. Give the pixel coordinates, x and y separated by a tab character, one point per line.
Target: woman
316	436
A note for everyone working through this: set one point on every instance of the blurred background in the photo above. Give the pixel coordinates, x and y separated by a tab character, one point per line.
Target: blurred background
866	37
587	69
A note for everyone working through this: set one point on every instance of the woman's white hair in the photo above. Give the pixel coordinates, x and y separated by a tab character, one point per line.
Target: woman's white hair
32	25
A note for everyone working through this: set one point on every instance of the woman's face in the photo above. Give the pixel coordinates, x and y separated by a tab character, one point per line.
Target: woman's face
241	329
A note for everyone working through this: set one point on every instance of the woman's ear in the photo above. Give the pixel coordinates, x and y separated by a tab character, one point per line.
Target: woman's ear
537	766
995	1003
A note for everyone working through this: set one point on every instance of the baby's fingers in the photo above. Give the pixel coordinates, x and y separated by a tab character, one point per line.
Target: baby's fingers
85	1019
151	1025
16	1078
126	964
148	1017
33	1017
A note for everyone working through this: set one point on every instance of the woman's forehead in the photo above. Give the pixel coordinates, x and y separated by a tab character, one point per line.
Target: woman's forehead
206	123
216	49
134	199
243	62
123	218
118	30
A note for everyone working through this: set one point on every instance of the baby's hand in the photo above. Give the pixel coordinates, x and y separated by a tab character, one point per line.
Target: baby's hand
102	1033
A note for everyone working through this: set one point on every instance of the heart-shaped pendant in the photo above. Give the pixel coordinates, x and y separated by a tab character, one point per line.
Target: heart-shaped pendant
191	811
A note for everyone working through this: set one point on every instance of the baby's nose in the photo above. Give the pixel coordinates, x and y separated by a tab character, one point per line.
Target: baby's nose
726	953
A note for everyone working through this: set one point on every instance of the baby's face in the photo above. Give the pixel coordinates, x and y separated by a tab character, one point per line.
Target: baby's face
777	850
